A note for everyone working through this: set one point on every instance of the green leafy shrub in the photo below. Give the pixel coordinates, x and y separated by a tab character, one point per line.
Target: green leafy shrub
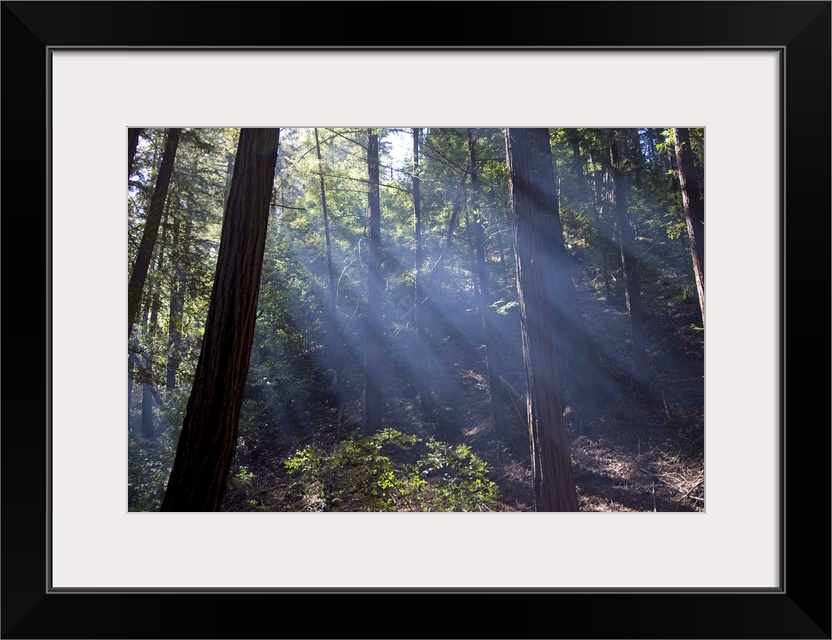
392	471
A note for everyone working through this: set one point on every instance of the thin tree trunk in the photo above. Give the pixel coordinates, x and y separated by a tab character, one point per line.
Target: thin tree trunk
148	430
209	432
177	299
132	145
501	248
425	398
472	252
130	368
151	229
455	211
579	164
491	355
146	373
599	219
333	299
694	211
177	305
628	261
372	361
554	486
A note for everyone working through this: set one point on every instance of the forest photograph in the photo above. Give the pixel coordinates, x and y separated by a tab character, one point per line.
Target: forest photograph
418	319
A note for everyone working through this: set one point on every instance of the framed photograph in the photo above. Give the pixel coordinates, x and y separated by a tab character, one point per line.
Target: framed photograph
755	76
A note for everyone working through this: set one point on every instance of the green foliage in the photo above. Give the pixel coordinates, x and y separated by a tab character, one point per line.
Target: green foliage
149	462
243	477
501	307
378	473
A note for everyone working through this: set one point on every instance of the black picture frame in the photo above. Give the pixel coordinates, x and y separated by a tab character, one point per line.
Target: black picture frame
800	608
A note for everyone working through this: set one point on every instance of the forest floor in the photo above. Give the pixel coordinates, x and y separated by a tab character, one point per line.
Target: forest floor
643	451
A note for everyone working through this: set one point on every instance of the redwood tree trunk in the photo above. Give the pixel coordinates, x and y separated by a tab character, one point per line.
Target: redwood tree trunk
148	428
151	229
177	300
333	299
618	194
132	145
576	354
491	356
372	358
456	209
554	486
209	432
694	211
425	398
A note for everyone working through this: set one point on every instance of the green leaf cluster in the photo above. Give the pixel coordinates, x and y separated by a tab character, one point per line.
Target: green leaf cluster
392	471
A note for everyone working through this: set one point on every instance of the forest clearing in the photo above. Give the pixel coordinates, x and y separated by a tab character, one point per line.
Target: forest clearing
416	319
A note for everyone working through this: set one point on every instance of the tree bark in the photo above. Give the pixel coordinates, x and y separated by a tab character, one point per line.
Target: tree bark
618	194
581	374
554	486
177	299
426	403
148	429
455	211
372	358
333	299
694	211
491	355
132	145
209	432
151	229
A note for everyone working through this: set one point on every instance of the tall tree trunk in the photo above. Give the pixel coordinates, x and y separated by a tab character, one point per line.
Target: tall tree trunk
146	377
554	486
618	194
491	355
148	429
177	300
151	324
458	202
578	164
694	211
599	219
333	296
581	373
132	145
151	229
472	253
425	398
209	432
501	248
130	368
177	306
372	358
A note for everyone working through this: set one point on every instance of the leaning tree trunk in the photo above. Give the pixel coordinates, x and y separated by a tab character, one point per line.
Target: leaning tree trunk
491	355
151	229
618	194
554	486
426	403
694	211
209	432
372	357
